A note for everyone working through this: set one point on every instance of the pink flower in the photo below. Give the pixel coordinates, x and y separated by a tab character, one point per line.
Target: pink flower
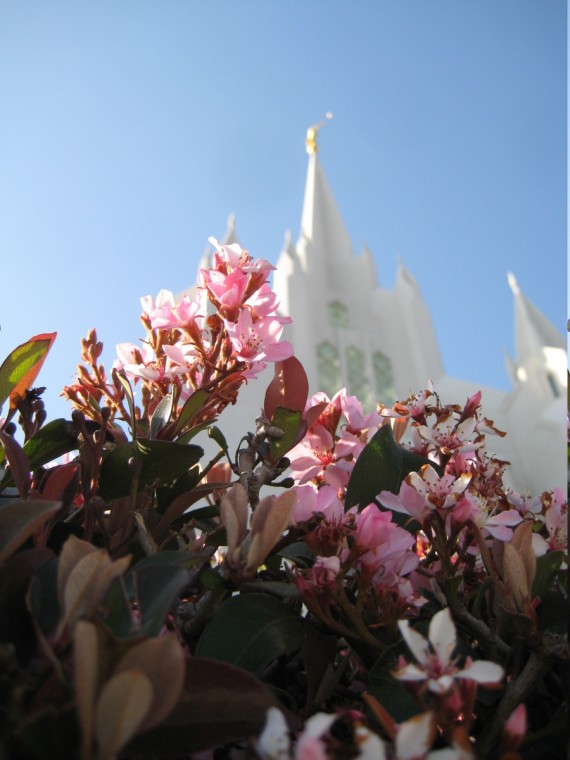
264	303
450	437
232	256
181	354
492	521
310	745
373	527
256	341
324	501
556	522
515	725
324	571
386	548
312	455
356	420
228	290
274	743
165	314
434	664
128	353
422	493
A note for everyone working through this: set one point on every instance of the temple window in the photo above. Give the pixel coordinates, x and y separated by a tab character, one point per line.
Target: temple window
328	362
553	385
383	378
357	381
338	314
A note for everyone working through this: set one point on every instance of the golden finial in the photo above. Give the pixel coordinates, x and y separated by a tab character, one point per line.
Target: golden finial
311	139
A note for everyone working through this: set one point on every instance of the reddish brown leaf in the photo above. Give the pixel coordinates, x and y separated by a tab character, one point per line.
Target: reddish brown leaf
19	464
220	703
289	388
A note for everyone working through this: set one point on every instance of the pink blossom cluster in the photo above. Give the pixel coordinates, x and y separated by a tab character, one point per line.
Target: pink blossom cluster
441	519
365	548
464	488
215	341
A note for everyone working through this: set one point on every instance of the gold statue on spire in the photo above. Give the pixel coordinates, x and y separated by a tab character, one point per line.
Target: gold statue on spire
311	138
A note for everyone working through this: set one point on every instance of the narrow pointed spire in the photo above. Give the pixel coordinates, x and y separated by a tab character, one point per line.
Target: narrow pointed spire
231	235
404	277
323	232
533	330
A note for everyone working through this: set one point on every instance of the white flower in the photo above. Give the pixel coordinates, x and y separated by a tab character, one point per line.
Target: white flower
434	663
273	743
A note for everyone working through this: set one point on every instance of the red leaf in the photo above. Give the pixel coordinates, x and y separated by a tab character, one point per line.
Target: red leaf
289	388
18	462
61	483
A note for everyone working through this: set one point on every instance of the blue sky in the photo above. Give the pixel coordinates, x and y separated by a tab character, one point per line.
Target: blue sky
129	130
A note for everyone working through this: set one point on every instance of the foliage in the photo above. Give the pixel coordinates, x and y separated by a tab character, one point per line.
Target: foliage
347	584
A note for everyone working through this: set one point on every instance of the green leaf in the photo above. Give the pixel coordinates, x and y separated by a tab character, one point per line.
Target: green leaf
391	693
220	704
299	553
216	434
130	396
162	461
547	566
21	367
382	466
16	574
185	483
43	600
262	629
170	557
50	732
551	613
117	613
19	519
290	423
211	579
51	441
161	415
156	588
191	408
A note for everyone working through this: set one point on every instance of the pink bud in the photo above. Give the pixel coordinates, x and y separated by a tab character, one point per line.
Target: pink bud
515	725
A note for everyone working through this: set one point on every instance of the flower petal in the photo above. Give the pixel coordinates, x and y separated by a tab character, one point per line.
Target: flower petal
417	644
482	671
442	635
410	672
415	736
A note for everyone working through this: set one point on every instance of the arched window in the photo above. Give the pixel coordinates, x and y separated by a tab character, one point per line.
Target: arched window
338	314
358	384
553	385
383	378
329	368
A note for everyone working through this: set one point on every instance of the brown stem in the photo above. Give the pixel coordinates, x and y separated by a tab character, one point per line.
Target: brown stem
517	691
485	554
359	625
479	629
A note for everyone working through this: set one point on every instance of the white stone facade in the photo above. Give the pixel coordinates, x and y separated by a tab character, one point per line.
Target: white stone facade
380	344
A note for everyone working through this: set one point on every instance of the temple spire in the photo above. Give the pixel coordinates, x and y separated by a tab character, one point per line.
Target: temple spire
323	237
533	330
311	138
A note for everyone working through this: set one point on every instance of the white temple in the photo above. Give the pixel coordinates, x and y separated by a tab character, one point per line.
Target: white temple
380	343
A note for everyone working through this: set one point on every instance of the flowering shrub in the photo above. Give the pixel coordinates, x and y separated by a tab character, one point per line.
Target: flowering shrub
347	585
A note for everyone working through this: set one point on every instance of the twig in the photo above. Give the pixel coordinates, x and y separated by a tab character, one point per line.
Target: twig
552	647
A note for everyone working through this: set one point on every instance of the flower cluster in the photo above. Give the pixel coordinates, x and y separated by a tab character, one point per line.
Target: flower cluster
451	517
213	343
403	602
